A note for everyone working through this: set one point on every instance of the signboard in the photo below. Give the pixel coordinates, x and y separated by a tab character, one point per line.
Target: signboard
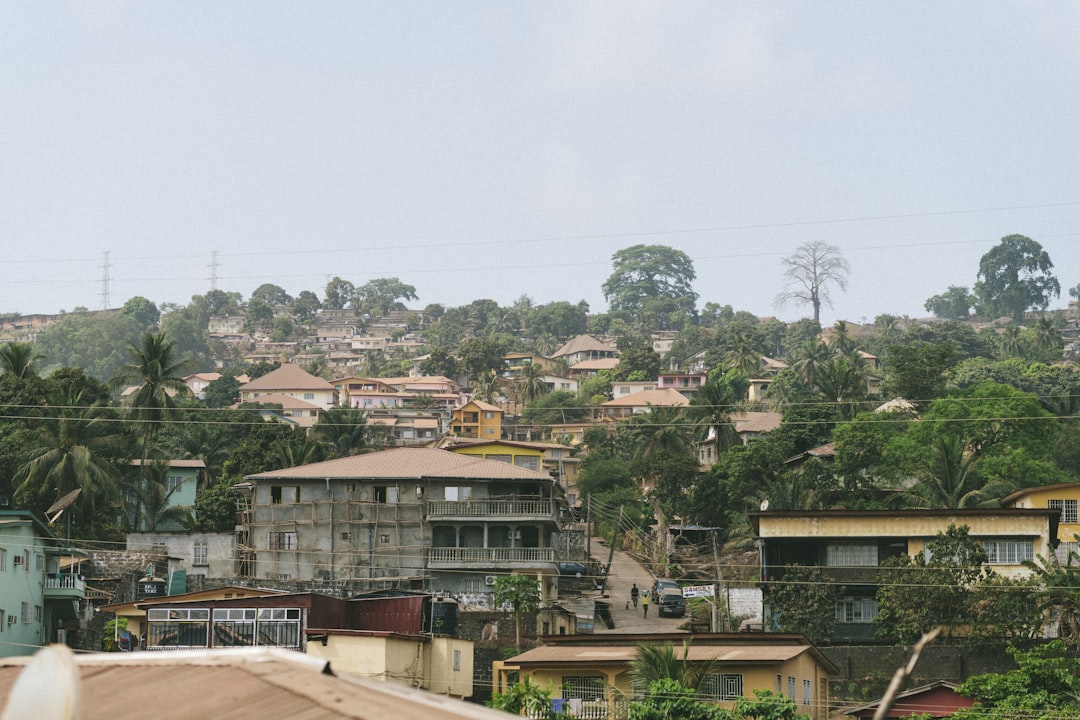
692	591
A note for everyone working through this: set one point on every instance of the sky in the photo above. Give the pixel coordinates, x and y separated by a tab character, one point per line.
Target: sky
495	149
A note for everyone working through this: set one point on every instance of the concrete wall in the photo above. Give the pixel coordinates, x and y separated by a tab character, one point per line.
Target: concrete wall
221	550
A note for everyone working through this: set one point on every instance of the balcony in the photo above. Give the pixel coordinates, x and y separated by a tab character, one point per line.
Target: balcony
492	509
447	557
64	587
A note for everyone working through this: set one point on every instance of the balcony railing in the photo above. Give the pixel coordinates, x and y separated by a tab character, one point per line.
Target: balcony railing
489	555
74	583
490	508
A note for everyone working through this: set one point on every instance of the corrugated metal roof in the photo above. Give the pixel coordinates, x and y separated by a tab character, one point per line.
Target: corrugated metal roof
287	377
627	653
665	397
240	684
408	463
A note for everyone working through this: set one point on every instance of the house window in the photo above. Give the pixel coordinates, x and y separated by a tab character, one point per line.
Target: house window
1	621
1067	508
384	539
856	610
576	687
1064	549
386	494
805	692
791	688
234	627
779	683
489	415
279	627
37	614
284	494
173	482
457	493
489	431
309	396
201	553
532	462
26	560
283	541
39	562
457	661
499	457
851	555
177	628
3	559
1008	552
722	687
24	613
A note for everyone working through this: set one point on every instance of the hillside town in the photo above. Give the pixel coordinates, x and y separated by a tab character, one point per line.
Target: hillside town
486	502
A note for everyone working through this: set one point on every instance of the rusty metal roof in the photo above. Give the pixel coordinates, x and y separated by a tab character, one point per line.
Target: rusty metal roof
406	463
239	684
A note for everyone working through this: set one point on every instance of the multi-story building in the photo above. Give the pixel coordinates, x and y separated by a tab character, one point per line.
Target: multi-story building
411	518
38	602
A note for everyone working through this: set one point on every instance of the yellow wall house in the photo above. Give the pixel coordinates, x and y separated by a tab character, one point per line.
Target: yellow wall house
477	419
592	677
1063	497
442	665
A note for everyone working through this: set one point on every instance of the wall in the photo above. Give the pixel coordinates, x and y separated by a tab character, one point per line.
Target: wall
221	550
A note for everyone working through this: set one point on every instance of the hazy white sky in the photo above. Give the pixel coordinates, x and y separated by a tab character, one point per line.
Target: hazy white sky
500	148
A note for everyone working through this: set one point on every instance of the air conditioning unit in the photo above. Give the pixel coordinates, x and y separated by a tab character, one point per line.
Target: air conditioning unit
489	579
12	620
19	559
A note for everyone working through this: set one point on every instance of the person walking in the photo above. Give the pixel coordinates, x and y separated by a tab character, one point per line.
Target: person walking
634	594
645	602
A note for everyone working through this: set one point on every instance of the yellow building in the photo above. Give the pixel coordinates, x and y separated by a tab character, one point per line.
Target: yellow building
1063	497
592	677
442	665
477	419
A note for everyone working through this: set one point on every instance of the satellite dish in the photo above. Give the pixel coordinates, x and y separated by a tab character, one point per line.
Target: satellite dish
764	504
57	508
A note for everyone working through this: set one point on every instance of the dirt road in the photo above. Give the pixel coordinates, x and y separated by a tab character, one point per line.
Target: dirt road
625	571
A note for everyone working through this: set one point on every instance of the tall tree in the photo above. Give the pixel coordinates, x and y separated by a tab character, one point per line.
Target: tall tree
1015	275
157	376
522	594
339	293
380	296
530	384
953	304
18	359
348	432
271	295
644	273
810	273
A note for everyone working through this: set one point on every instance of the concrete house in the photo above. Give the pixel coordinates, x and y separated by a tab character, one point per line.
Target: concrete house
851	546
1062	497
582	348
291	381
411	518
38	602
477	419
591	678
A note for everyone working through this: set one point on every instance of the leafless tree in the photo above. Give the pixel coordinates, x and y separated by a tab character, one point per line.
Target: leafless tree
809	272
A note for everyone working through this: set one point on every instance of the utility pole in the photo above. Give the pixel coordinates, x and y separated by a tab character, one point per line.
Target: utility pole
611	553
723	585
213	269
105	281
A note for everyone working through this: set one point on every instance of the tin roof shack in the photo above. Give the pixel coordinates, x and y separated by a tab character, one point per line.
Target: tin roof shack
936	700
593	676
400	638
242	683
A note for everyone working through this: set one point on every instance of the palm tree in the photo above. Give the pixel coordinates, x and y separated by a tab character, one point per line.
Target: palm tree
531	383
743	356
1009	344
662	662
203	441
152	500
18	359
299	450
72	443
841	342
486	387
810	359
546	344
666	431
158	375
347	431
1045	336
711	410
949	479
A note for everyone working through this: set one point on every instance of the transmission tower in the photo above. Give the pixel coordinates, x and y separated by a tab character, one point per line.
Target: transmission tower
105	281
213	269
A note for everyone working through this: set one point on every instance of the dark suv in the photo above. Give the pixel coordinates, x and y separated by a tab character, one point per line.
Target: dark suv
672	603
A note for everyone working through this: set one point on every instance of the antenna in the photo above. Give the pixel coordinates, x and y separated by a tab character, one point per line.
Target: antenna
213	269
105	281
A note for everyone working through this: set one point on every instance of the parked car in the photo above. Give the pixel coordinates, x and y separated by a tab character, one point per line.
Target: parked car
661	585
672	603
575	569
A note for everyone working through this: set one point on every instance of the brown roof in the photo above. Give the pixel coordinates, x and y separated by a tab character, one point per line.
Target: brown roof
406	463
482	405
600	364
665	397
241	683
197	595
287	377
756	422
747	653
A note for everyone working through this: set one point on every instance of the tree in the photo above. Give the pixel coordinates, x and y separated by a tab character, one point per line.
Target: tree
1013	276
953	304
306	306
347	431
18	359
92	341
1060	594
521	593
479	354
271	295
650	272
932	589
803	601
378	297
524	698
1044	686
158	376
145	312
637	362
668	698
663	662
530	384
223	392
558	319
339	293
809	274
